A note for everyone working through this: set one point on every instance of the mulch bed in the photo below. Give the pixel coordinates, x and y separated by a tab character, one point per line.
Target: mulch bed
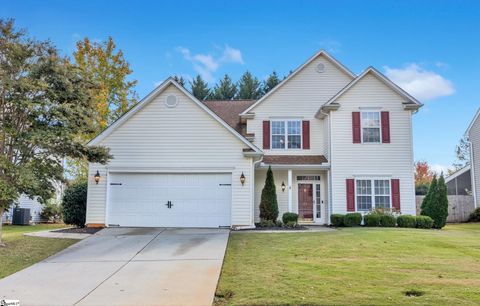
79	230
280	228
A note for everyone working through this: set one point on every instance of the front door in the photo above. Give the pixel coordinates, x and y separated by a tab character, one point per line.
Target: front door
305	201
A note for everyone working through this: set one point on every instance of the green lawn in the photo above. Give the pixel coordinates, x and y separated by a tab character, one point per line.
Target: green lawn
353	266
21	251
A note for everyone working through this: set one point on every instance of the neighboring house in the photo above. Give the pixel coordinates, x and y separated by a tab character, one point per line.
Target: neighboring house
337	142
25	202
460	182
473	134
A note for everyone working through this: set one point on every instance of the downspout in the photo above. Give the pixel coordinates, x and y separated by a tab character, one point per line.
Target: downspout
330	204
252	186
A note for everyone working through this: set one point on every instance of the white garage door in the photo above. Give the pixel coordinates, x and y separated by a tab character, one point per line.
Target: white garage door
169	200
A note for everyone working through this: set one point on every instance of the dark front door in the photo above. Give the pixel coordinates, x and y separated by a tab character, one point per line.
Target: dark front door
305	201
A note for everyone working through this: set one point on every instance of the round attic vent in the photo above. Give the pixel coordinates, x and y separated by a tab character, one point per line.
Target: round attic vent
171	101
320	68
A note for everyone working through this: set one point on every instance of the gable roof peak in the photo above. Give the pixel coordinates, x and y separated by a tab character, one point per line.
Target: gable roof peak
321	52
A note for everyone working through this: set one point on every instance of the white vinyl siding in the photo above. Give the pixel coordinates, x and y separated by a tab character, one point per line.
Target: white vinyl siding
474	137
394	160
174	140
301	98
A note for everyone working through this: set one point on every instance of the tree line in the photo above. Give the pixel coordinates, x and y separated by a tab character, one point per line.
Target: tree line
248	87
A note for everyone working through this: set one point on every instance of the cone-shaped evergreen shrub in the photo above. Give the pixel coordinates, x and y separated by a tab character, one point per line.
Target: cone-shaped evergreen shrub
426	206
268	201
435	204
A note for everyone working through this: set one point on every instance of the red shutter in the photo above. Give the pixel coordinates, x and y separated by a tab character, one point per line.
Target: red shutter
356	127
396	194
350	195
385	127
266	134
306	134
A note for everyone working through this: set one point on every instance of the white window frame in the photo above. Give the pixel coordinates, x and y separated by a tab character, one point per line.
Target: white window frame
372	194
379	125
285	122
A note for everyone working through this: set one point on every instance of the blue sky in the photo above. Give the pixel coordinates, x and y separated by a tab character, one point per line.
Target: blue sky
431	48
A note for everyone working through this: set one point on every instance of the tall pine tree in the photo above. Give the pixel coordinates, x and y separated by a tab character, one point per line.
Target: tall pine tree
200	88
268	200
270	82
225	90
249	87
180	80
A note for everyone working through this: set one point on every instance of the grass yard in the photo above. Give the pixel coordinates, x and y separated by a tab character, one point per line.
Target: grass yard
353	266
21	251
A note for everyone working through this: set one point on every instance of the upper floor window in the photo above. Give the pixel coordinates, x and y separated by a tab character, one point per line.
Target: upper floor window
373	194
371	127
286	134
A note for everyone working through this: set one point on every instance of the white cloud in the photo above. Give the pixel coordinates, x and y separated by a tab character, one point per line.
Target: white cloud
420	83
207	64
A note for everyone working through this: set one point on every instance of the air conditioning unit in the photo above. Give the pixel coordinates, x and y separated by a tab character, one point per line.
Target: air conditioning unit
21	216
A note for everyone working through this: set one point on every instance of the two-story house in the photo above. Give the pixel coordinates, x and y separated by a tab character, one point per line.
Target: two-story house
337	142
473	134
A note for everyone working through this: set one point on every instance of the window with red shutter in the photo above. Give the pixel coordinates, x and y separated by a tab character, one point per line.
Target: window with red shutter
356	128
350	195
385	127
306	134
266	134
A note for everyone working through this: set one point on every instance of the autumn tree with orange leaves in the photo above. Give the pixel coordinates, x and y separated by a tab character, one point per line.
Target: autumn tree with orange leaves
423	177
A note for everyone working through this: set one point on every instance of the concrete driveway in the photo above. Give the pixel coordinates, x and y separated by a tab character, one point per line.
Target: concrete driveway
126	266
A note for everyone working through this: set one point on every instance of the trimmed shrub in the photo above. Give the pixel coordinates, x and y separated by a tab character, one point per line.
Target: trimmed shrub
279	223
371	220
291	224
353	219
268	200
337	220
408	221
266	223
74	204
475	215
387	220
289	217
424	222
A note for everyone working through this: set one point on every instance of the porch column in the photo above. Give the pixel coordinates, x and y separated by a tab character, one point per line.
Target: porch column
290	191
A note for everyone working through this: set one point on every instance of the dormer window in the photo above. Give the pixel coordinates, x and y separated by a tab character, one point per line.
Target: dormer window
371	127
286	134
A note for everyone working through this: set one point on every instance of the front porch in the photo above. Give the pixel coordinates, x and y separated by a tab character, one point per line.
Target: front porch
301	188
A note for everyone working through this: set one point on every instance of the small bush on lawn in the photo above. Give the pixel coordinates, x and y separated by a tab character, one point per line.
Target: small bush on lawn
279	223
424	222
51	211
74	204
290	217
475	215
408	221
337	220
387	220
353	219
371	220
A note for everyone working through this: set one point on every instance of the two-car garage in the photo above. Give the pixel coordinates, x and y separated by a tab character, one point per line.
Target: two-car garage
169	199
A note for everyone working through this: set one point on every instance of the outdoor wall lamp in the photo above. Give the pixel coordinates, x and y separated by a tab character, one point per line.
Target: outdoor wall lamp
283	186
96	177
242	179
